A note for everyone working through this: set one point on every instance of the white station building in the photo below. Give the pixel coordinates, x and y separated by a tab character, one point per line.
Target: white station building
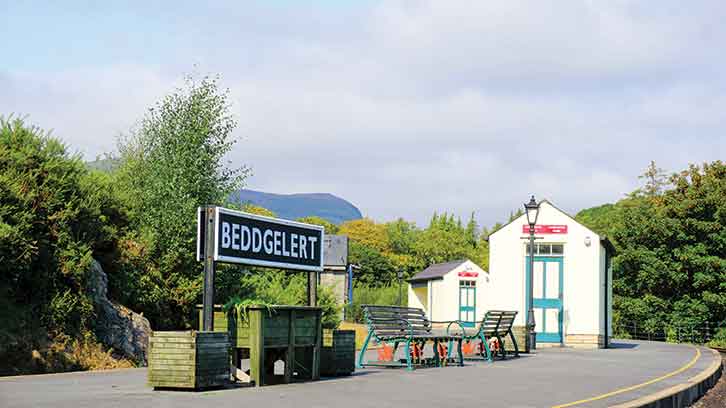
450	291
572	278
572	282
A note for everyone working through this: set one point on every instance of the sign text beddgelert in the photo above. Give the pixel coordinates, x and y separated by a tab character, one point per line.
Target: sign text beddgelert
256	240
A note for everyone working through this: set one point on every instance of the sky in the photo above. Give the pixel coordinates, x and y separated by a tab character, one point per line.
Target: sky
401	107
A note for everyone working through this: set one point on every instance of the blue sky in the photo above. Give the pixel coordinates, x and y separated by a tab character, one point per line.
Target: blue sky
403	108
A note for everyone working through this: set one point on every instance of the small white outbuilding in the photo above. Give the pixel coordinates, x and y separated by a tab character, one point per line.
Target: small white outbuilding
449	291
572	278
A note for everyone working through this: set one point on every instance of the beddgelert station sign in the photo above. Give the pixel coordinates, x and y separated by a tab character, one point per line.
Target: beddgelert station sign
252	239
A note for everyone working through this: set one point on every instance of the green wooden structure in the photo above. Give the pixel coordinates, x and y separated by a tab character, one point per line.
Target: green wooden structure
410	326
268	334
496	324
338	353
188	359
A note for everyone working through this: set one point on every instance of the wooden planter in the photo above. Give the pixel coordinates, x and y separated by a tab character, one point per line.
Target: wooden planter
288	333
188	359
337	356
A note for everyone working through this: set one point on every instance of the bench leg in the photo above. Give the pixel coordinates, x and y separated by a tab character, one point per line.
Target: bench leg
460	352
501	347
514	343
486	348
409	366
363	350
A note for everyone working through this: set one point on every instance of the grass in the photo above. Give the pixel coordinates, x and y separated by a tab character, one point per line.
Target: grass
361	331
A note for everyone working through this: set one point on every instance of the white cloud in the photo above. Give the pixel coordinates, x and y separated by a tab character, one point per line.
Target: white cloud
412	107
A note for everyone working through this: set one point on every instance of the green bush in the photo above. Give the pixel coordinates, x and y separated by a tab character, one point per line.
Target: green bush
277	287
55	217
331	308
372	295
52	219
719	340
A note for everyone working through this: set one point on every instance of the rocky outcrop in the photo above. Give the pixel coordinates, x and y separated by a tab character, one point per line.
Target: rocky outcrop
117	326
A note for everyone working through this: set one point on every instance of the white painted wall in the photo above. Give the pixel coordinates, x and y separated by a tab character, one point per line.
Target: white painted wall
413	298
582	278
444	294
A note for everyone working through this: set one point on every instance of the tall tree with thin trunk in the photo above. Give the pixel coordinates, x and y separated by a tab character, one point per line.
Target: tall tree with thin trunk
174	163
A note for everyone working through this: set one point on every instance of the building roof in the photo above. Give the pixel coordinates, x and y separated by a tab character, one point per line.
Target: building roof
606	243
437	271
524	215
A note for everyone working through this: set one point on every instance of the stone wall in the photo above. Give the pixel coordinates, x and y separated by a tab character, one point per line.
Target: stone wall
585	340
520	335
336	281
117	326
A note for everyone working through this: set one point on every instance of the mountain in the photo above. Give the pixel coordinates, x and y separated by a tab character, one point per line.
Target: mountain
107	164
293	206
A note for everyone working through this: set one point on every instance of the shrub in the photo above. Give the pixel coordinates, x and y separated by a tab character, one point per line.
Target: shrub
51	220
275	287
368	295
719	339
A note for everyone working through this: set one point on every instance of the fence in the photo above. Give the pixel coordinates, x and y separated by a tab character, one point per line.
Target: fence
673	333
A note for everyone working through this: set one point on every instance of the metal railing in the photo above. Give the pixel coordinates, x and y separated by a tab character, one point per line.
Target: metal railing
672	333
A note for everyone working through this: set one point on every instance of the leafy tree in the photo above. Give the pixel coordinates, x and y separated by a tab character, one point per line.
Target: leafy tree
330	228
376	269
472	231
367	232
603	219
255	209
51	220
402	236
55	217
172	165
670	266
446	240
437	245
656	181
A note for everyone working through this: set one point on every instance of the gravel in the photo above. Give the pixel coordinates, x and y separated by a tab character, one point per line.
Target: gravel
716	396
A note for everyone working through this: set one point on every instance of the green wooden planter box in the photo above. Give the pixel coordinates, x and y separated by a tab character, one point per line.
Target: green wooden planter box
188	359
338	353
288	333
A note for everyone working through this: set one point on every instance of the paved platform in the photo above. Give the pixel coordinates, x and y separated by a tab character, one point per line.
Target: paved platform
553	377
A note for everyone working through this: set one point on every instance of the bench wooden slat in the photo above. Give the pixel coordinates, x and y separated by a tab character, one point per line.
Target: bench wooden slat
393	322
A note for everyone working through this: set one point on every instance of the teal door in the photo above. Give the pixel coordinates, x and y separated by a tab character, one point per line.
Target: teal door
547	297
467	303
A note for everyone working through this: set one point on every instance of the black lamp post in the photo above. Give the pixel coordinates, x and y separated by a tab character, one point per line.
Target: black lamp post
532	210
400	286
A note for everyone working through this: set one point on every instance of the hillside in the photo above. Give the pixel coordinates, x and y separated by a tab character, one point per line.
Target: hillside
293	206
105	164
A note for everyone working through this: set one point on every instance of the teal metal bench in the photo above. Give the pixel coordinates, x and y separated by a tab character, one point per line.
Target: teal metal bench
496	324
410	326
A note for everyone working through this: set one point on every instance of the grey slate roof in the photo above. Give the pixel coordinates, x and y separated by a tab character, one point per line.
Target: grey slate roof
437	271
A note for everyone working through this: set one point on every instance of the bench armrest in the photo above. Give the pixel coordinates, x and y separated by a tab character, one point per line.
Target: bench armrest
461	326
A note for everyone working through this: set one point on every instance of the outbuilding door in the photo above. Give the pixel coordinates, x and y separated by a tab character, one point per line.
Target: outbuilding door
467	303
547	297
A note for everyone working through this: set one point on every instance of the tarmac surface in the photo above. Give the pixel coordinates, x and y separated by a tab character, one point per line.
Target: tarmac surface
552	377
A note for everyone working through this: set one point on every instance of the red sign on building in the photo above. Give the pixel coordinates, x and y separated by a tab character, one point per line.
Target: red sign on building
546	229
468	274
